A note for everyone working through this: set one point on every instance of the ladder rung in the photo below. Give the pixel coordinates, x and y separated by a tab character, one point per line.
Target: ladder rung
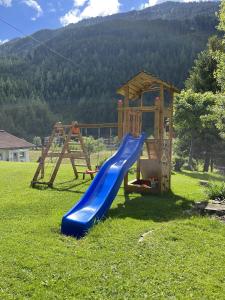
76	151
75	135
80	165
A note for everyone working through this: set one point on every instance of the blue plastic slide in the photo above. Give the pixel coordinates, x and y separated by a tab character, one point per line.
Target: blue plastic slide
98	198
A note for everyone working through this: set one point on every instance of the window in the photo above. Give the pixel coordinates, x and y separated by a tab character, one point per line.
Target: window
22	154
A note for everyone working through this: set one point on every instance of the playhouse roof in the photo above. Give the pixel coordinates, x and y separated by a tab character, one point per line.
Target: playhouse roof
9	141
144	82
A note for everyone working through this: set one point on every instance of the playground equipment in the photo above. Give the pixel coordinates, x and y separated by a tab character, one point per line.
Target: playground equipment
69	136
155	169
102	191
153	172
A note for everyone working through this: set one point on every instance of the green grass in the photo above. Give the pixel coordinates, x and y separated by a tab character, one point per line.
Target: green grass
181	257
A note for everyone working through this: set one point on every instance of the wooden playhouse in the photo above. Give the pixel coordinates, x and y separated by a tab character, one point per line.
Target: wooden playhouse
153	170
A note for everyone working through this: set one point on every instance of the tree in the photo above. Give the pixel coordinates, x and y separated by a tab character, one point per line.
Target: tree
198	136
220	53
202	75
37	142
219	114
93	145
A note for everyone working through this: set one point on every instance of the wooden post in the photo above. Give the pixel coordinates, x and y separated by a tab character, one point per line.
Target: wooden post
126	113
138	173
43	163
161	136
171	133
120	119
156	122
44	155
125	126
126	182
141	98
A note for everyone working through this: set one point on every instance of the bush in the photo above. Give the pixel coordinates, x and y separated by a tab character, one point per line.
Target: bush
215	191
178	163
92	145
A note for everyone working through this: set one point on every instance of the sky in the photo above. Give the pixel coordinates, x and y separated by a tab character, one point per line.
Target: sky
32	15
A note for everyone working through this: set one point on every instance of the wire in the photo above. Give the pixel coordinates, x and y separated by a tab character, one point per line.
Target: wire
36	40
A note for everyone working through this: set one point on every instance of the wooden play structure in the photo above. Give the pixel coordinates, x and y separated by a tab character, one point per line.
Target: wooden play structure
69	137
153	170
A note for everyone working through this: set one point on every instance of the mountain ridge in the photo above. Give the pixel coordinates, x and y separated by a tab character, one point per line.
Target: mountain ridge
168	10
97	59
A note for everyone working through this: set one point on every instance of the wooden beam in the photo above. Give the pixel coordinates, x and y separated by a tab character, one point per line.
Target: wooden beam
140	108
171	132
120	119
86	125
126	105
156	121
66	155
44	155
161	136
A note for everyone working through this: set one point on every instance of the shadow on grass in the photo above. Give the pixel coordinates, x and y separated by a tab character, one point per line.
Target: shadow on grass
203	176
152	207
72	186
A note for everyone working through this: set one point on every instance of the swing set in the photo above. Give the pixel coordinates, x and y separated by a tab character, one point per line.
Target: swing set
66	142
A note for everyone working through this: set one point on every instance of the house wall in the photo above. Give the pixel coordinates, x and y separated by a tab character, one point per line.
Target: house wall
3	155
18	155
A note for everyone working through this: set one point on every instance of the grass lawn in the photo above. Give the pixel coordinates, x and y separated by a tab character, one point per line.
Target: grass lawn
181	257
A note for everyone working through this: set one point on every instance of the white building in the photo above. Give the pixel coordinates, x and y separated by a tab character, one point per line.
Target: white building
13	148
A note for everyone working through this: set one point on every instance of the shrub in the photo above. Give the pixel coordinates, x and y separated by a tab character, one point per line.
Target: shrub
215	191
178	163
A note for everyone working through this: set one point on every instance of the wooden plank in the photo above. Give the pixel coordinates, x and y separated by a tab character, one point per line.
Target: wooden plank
67	155
86	125
101	125
140	108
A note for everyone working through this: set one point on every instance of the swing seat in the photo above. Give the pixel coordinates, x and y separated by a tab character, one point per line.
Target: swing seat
89	172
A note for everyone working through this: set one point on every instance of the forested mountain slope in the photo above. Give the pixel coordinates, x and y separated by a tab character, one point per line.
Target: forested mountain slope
37	86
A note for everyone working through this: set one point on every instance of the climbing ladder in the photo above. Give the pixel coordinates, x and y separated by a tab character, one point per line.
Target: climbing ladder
73	148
